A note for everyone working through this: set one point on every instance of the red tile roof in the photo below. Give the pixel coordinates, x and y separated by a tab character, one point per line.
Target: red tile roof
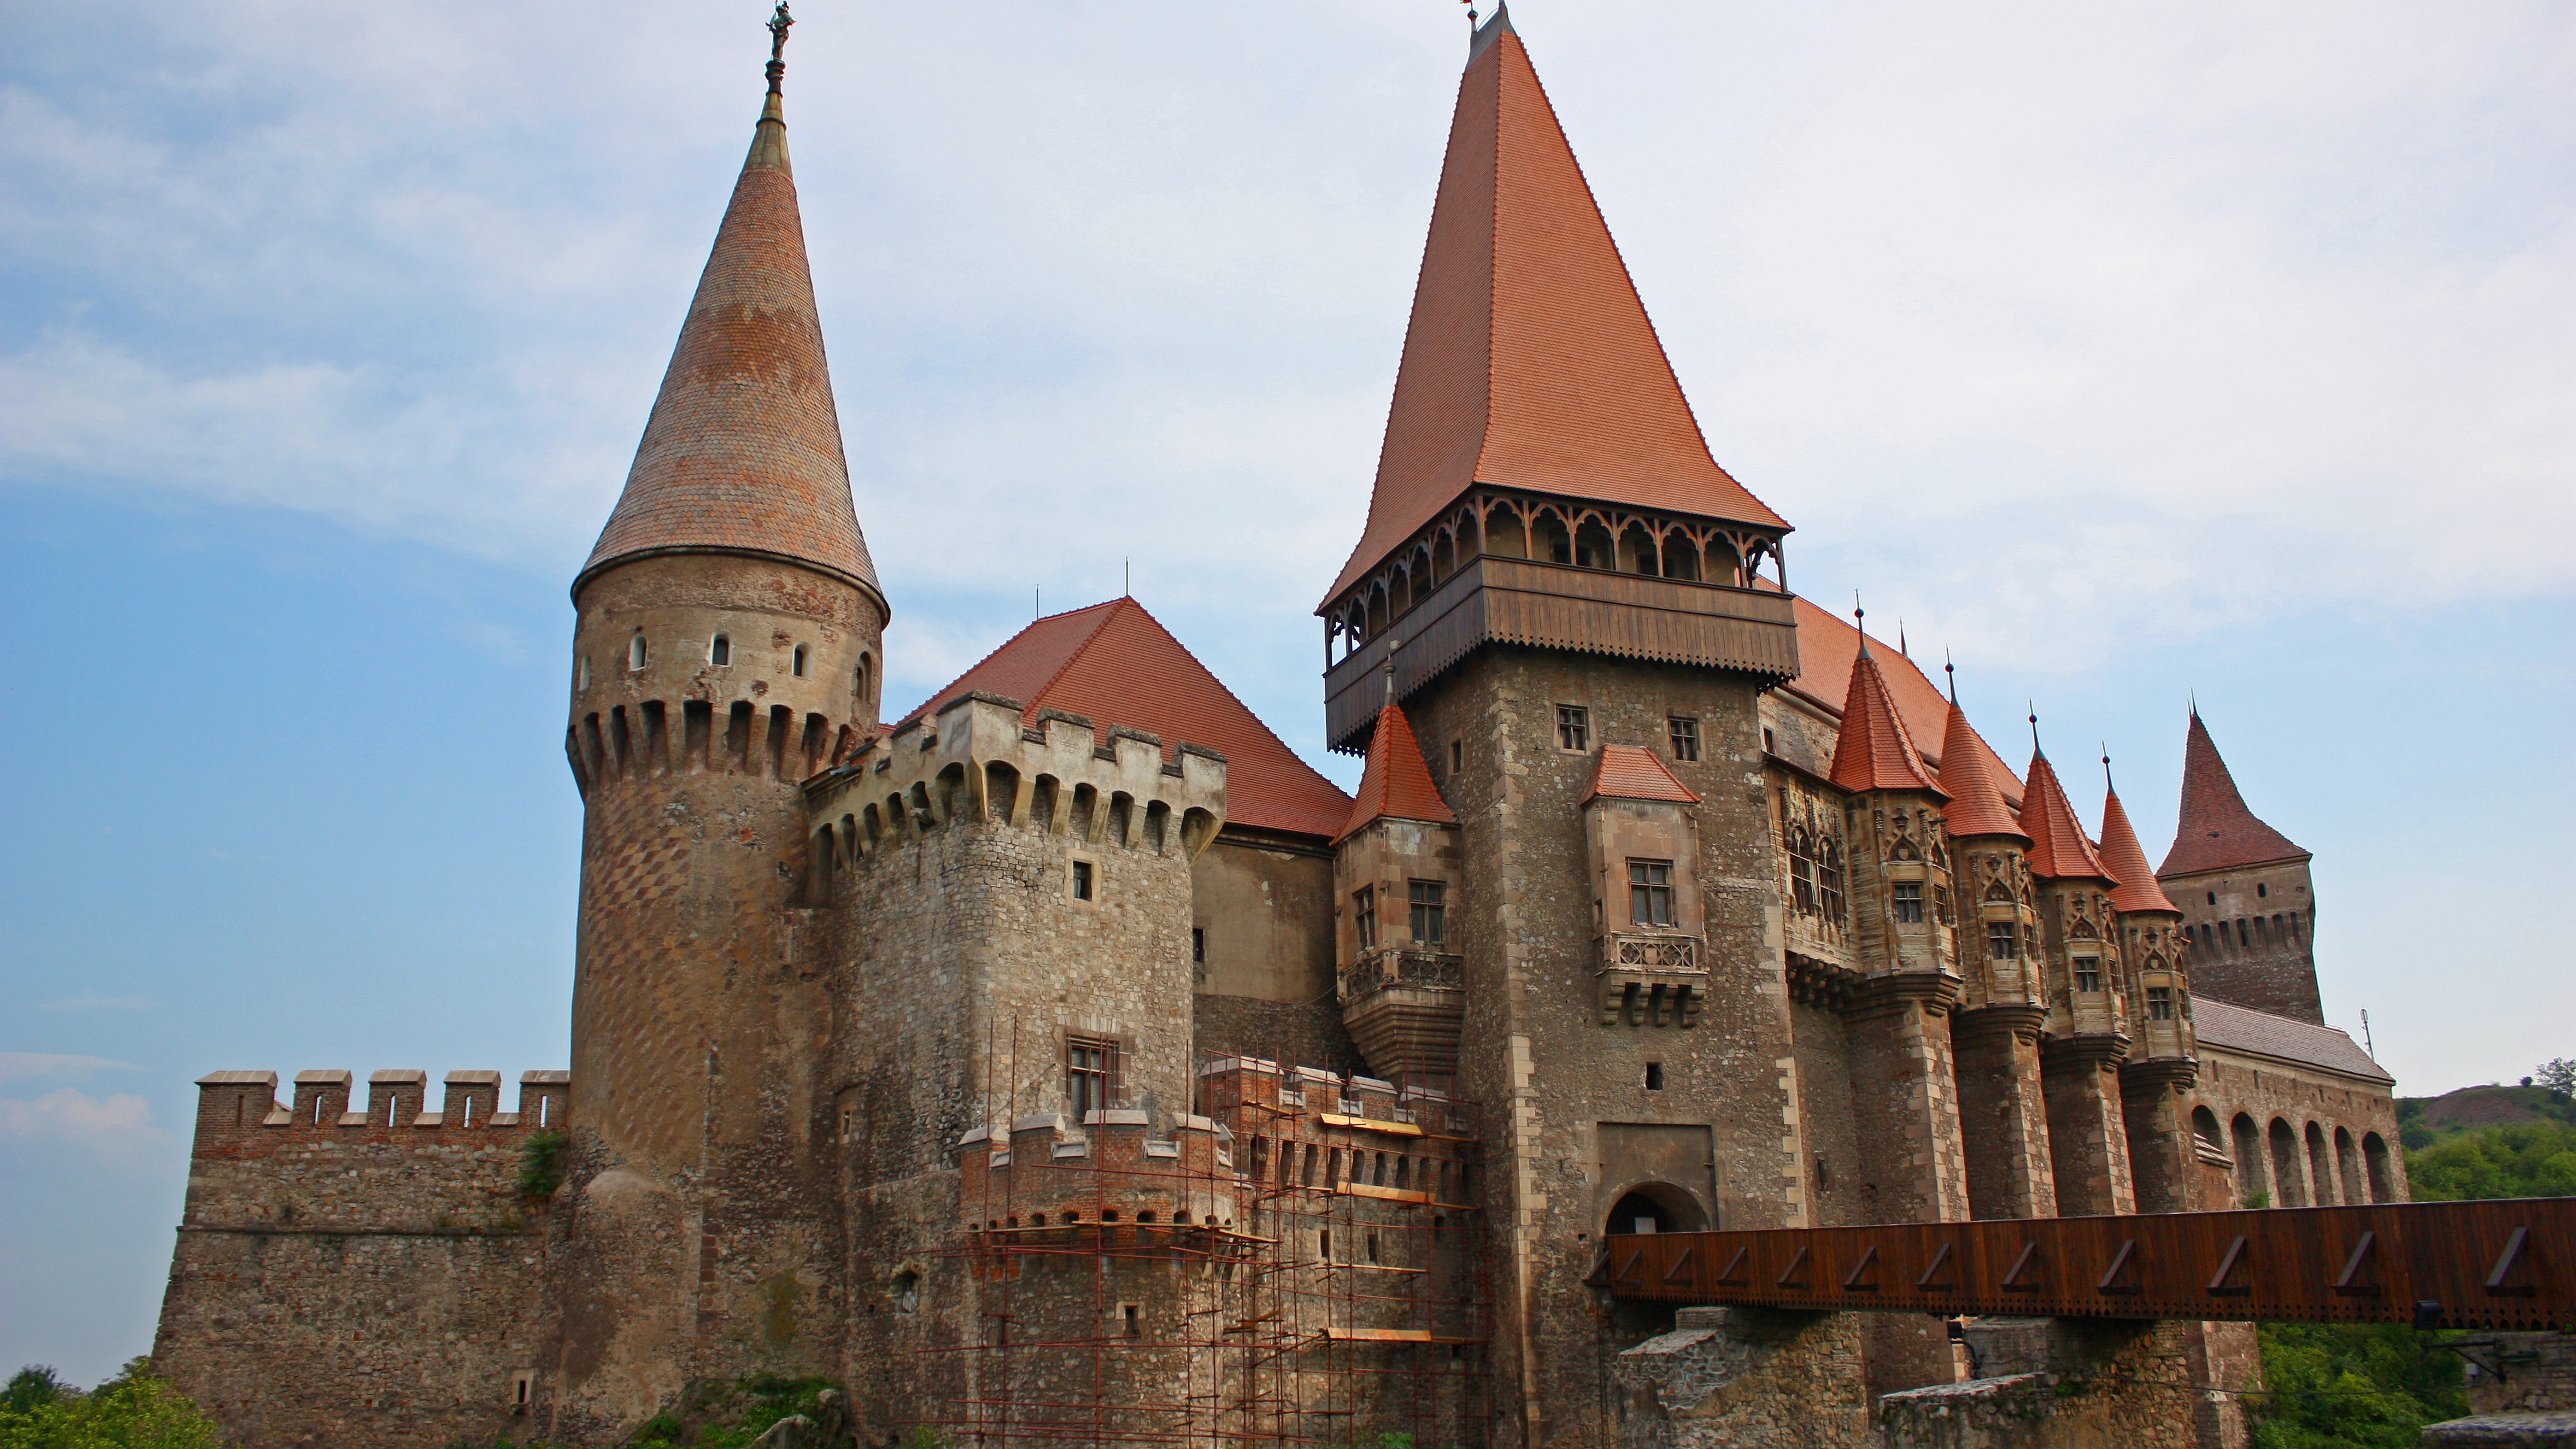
2135	887
1115	664
1828	647
1530	362
742	453
2058	847
1873	750
1396	783
2229	1027
1629	773
2216	830
1976	801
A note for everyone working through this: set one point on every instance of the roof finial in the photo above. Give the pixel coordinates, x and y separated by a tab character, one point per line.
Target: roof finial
1900	638
1471	14
2194	696
779	20
2107	783
2034	729
1859	616
1951	670
1391	646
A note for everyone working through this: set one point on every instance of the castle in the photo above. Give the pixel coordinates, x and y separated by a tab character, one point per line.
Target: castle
1066	1059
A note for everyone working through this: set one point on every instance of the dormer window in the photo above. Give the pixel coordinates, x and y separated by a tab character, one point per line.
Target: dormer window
720	651
635	652
799	661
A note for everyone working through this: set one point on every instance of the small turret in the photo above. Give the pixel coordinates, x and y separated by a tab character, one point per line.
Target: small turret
2163	1063
1396	879
2088	1027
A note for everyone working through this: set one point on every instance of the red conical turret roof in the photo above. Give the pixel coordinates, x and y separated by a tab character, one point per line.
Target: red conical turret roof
1873	750
1396	784
1530	362
2217	831
1977	805
742	453
2058	847
2134	885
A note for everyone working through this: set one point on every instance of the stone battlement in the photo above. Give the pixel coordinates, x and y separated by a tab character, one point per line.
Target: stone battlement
238	1112
976	759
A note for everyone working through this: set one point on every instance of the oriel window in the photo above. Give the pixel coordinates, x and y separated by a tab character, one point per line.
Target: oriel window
2160	1003
1428	927
1650	892
2088	973
1908	902
1089	1063
1685	736
1364	916
1573	727
2002	943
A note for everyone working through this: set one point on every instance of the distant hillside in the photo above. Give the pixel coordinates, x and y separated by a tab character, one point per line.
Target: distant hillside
2424	1121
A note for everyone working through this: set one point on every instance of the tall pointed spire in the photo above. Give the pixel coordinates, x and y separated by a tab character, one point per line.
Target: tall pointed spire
1874	751
2058	845
2134	885
742	453
1530	362
2217	830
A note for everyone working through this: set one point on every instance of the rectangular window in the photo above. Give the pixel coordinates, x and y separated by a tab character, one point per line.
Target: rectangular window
1685	733
1428	928
1650	892
2160	1003
1082	880
1909	902
1654	1076
1941	906
1802	883
1198	945
1457	756
1089	1063
1364	915
1573	727
2088	973
1829	883
2001	944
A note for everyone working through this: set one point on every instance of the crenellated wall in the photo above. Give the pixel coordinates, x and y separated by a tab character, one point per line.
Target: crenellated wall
371	1275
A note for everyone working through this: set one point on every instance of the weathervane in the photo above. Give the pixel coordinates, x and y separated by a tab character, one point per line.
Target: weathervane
779	20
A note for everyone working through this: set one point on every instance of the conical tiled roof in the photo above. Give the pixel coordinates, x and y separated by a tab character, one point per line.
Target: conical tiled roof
1530	362
1396	784
1115	664
2058	847
1976	799
2134	885
1629	773
742	453
2216	830
1873	751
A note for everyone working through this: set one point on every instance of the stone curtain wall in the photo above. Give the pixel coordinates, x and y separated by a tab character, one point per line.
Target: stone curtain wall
365	1277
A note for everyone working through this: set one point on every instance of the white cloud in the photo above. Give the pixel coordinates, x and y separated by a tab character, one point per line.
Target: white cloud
2108	318
66	1115
26	1066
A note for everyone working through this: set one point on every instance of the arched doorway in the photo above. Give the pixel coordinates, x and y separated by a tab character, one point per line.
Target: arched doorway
1654	1207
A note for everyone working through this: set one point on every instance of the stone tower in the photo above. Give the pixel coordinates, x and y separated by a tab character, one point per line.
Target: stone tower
2248	906
1562	582
725	648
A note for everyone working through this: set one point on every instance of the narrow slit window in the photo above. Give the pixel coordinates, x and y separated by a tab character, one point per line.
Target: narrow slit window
1457	756
635	652
797	661
1364	916
720	651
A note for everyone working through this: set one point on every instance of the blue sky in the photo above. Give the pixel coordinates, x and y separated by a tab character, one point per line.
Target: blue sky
2127	352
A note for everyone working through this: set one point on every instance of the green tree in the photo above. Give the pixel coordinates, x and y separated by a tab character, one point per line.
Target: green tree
2353	1386
133	1410
2528	1159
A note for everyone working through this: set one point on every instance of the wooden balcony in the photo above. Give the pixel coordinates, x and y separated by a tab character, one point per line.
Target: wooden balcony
1651	978
1492	599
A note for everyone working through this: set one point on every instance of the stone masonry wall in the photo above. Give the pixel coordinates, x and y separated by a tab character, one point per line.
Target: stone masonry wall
359	1277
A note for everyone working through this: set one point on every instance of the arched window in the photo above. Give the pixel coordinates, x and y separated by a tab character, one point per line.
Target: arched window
2204	1125
635	653
859	678
720	651
799	661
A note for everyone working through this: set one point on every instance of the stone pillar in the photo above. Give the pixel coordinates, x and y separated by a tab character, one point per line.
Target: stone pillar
2155	1106
2088	1142
1906	1120
2003	1112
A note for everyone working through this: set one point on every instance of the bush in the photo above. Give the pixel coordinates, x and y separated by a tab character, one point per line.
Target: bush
134	1410
2353	1386
2529	1159
541	1164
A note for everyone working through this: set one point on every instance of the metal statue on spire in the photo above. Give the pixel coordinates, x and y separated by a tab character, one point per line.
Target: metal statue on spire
779	20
